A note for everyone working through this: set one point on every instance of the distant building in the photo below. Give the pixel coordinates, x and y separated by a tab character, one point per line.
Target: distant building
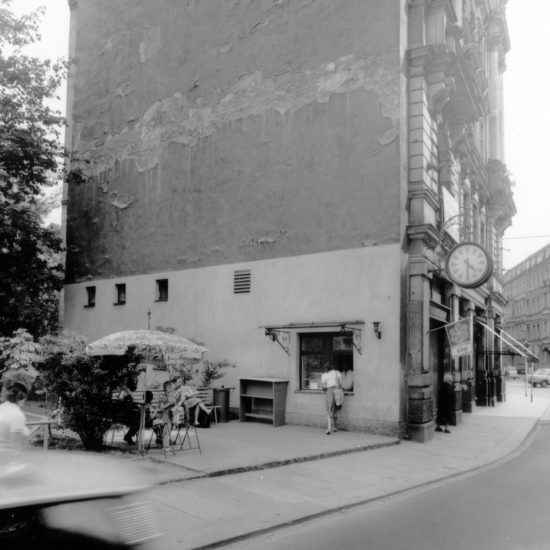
527	290
283	180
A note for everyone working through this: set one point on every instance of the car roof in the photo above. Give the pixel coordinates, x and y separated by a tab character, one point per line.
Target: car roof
41	477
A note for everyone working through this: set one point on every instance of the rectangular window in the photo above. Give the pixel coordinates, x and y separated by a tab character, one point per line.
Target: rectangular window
162	290
318	348
90	296
120	294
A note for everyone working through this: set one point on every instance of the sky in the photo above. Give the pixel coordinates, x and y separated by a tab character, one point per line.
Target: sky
527	120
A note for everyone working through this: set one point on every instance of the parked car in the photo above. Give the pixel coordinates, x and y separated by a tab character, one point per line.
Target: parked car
511	373
541	377
65	500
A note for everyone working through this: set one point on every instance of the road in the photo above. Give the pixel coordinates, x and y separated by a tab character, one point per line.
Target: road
501	507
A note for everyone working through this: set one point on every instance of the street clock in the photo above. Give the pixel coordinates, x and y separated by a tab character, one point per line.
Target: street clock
469	265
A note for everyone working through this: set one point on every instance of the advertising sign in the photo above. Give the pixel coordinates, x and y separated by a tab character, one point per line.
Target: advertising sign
460	337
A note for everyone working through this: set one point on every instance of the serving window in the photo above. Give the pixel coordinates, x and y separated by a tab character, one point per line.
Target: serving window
318	348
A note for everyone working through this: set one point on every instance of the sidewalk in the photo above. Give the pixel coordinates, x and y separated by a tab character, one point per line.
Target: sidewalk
319	474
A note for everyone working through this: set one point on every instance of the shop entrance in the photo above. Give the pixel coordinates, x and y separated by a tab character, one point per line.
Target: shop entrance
439	357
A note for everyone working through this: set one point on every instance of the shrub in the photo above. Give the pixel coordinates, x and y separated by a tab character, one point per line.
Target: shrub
214	370
84	386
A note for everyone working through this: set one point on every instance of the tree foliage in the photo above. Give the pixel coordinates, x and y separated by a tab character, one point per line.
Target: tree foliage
31	158
85	385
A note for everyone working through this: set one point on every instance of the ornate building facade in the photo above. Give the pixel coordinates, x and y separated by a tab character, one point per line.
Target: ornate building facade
283	181
527	291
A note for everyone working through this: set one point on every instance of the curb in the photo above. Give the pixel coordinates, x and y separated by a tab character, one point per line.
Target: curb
527	440
271	464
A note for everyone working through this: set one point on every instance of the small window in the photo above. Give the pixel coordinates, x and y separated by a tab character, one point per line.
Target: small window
90	296
162	290
242	281
120	294
318	348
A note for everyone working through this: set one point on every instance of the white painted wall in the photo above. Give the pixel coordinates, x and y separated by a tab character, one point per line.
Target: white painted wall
357	284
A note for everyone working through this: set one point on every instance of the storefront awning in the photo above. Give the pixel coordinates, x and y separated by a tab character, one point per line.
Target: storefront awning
510	341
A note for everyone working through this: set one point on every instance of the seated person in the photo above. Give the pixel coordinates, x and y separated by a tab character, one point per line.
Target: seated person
189	398
126	412
163	416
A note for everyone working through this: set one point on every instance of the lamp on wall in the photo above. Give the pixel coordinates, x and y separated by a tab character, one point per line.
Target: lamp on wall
377	329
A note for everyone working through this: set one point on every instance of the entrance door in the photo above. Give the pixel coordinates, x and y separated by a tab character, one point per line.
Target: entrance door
439	357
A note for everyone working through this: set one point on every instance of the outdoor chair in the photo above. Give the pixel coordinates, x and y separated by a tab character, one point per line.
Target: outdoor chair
157	432
183	434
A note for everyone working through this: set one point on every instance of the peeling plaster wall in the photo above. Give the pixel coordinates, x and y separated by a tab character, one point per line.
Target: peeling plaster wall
231	130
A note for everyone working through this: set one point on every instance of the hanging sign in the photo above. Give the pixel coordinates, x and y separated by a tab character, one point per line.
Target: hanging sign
460	337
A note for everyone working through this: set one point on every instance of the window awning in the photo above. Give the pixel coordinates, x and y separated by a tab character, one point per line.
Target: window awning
322	324
281	333
510	341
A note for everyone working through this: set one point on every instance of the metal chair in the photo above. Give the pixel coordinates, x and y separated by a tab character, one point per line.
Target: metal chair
184	435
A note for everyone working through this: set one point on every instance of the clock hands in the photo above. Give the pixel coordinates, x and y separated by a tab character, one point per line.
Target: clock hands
469	267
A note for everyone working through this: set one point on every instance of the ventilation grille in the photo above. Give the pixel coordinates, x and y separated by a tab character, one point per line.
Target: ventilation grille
241	281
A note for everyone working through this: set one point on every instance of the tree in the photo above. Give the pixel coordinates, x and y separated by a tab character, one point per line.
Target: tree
84	384
31	158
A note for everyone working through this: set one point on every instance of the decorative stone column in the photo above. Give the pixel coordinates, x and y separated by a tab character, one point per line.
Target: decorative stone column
420	403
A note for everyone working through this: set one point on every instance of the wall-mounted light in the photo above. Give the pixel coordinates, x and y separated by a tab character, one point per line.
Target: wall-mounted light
377	329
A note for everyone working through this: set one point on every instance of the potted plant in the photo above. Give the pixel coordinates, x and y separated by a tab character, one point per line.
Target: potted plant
214	370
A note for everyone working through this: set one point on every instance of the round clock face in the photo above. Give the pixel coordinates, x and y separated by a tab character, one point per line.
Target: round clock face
469	265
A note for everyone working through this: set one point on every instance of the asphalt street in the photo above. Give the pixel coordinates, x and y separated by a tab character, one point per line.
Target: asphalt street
504	506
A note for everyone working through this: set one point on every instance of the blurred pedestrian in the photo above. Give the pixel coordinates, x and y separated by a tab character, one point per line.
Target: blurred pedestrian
16	387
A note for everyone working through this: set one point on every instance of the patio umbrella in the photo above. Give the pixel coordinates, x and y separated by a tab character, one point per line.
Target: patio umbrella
153	345
149	342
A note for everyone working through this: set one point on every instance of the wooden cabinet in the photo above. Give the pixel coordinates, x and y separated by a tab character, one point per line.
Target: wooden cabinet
263	399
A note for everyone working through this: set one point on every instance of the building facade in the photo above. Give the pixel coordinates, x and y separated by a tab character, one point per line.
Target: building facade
527	291
282	181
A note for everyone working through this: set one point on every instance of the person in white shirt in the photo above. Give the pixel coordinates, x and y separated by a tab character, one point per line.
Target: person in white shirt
330	380
13	428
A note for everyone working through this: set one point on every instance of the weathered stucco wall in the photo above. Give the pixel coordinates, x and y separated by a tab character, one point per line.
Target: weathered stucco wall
201	305
230	130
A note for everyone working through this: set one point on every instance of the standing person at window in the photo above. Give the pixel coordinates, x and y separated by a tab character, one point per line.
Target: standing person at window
13	428
331	380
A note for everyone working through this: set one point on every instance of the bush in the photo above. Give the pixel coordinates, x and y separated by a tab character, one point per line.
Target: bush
84	386
214	370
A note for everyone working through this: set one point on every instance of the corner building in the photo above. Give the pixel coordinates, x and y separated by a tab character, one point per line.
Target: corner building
282	181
